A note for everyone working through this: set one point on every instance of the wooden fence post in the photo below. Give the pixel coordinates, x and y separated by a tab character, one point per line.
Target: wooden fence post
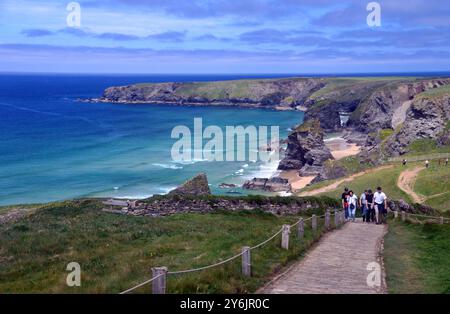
342	217
395	214
159	284
442	220
336	218
327	219
301	229
246	262
403	216
285	237
314	223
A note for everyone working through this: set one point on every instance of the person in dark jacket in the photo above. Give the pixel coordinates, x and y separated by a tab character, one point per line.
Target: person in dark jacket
370	209
345	202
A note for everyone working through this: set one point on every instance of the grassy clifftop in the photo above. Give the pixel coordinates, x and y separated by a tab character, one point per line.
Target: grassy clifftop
436	92
116	252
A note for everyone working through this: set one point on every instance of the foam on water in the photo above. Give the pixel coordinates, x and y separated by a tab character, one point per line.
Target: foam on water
72	149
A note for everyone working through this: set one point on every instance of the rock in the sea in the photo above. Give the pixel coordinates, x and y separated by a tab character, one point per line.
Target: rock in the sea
306	150
197	186
227	185
275	184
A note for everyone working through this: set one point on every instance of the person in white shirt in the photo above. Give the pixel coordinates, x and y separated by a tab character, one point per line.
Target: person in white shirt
380	204
352	200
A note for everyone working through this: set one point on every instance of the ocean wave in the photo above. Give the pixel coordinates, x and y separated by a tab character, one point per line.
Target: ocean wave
167	166
189	162
159	190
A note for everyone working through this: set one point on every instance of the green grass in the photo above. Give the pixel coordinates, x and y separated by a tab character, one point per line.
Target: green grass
117	251
434	183
435	92
422	145
227	89
425	147
248	88
5	209
352	164
385	133
335	84
417	258
386	178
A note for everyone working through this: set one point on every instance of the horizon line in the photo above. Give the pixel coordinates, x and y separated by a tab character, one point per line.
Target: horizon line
401	73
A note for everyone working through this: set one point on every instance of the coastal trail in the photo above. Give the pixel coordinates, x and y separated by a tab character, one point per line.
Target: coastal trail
338	263
336	184
406	181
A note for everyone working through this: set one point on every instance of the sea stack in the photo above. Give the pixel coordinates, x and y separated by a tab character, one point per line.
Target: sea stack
197	186
306	150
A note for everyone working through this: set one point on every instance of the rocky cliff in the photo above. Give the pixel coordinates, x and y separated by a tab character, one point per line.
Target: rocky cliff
372	103
386	107
375	107
306	150
197	186
427	118
273	93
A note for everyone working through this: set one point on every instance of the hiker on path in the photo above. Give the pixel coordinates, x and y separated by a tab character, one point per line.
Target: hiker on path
352	200
363	205
404	162
380	204
446	161
370	210
345	203
427	163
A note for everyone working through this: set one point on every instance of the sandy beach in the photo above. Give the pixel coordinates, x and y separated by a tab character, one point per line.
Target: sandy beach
339	148
297	182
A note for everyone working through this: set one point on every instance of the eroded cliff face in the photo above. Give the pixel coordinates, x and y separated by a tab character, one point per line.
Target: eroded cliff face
306	150
280	93
427	118
384	108
337	97
374	105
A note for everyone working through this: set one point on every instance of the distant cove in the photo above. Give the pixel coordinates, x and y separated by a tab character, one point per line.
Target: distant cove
54	147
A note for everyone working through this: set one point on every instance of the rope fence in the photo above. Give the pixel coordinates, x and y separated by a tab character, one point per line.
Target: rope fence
159	274
404	216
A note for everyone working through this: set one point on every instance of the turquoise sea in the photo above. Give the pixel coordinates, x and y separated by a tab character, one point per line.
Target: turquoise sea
54	147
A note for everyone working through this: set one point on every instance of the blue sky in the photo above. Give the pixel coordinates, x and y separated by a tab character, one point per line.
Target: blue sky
224	36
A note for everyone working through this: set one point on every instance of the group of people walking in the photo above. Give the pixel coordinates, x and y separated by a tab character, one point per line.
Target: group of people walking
427	162
373	206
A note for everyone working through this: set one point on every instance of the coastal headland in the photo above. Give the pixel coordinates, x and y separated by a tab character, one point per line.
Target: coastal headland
368	118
